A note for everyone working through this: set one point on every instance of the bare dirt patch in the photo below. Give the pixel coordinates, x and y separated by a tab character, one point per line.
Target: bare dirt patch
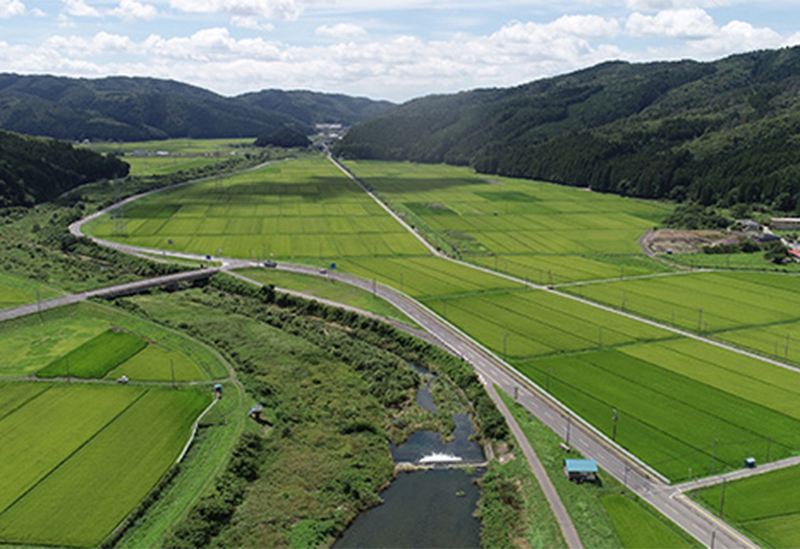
680	241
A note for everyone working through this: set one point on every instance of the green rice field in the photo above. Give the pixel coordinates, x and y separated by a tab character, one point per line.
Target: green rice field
706	302
77	458
96	357
684	407
765	507
638	527
15	291
532	230
101	342
304	210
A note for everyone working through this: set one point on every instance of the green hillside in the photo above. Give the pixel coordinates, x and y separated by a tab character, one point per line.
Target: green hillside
722	132
34	170
139	109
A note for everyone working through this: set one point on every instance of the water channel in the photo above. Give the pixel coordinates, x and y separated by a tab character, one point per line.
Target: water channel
429	508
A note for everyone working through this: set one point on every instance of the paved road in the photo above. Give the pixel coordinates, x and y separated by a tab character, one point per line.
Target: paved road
614	460
409	308
617	462
111	291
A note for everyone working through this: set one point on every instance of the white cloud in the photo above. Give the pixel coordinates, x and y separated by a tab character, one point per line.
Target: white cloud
252	23
690	24
11	8
268	9
79	8
341	31
131	10
664	5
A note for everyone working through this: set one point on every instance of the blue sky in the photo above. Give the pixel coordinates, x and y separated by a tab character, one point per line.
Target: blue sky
384	49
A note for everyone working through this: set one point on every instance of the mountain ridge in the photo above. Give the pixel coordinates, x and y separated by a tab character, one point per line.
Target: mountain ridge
715	132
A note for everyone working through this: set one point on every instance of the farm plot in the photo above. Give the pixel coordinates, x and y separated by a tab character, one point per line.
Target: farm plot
16	291
481	218
780	341
685	408
283	210
638	527
706	302
536	323
425	277
96	357
558	269
100	340
766	506
81	457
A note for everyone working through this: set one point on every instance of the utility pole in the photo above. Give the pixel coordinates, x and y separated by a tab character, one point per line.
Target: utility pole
700	320
67	359
172	368
600	337
444	304
547	385
616	417
505	337
722	496
625	479
569	425
769	443
714	456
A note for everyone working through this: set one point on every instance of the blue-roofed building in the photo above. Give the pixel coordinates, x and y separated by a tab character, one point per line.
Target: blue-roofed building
580	470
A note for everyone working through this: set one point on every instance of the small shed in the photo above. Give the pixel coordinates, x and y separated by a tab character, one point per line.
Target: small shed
580	470
218	390
255	412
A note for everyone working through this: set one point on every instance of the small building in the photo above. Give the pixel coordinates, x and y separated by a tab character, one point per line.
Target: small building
255	412
785	223
748	225
580	470
765	238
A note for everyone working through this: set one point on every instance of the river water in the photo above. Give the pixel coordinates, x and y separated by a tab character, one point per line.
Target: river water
430	508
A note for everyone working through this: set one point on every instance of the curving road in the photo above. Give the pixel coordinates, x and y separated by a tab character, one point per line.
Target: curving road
634	474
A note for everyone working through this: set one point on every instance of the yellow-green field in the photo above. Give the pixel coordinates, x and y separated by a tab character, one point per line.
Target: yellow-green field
303	210
684	406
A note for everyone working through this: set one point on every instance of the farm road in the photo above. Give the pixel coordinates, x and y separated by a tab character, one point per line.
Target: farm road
625	467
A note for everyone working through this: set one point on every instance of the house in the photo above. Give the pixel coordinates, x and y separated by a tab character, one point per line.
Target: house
748	225
785	223
580	470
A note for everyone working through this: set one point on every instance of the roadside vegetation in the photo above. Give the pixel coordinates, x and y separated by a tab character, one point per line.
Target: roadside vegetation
604	514
334	387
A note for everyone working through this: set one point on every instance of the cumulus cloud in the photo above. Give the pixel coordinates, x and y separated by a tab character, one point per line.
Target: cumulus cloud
79	8
341	31
663	5
11	8
131	10
267	9
249	22
691	24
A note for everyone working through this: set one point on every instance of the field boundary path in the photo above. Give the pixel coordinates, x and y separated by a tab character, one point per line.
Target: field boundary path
635	475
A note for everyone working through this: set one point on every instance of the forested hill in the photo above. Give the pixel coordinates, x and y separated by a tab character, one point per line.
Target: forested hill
135	109
722	132
34	170
317	108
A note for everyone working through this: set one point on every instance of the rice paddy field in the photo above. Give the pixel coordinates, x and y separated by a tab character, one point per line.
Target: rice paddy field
303	210
538	231
77	458
93	341
15	291
684	407
766	506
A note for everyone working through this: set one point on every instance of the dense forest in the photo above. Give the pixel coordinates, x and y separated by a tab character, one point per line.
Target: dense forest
34	170
137	109
715	133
